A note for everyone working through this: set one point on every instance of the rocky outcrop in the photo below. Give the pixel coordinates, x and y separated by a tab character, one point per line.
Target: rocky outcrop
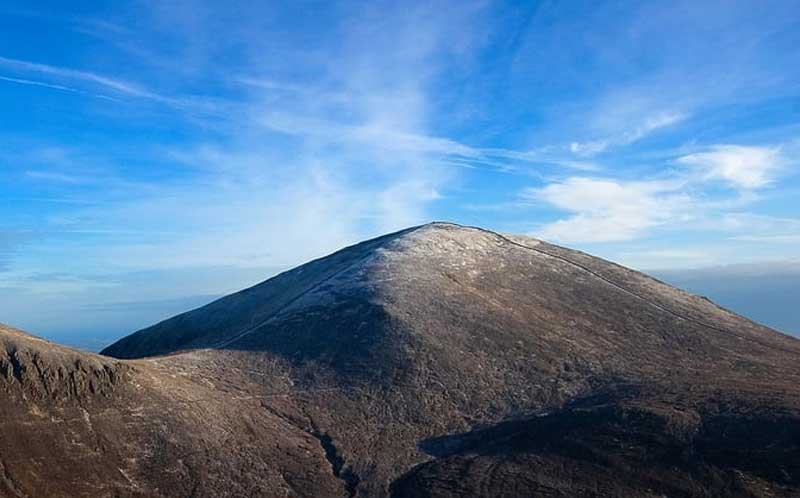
39	370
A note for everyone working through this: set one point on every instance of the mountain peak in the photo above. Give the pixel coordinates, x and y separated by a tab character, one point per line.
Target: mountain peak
447	230
365	273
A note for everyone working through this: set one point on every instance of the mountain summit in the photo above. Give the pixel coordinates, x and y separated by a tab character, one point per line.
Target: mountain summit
438	361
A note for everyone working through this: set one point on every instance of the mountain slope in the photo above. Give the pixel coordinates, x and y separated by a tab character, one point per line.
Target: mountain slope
443	328
452	361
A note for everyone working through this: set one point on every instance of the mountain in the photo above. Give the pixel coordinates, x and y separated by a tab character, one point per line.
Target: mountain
438	361
75	424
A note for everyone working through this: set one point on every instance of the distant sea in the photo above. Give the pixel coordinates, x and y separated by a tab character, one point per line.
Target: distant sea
771	299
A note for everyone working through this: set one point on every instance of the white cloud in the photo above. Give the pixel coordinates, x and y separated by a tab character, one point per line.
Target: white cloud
653	123
650	124
608	210
588	148
744	167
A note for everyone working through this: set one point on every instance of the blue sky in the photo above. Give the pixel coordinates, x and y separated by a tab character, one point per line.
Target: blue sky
156	154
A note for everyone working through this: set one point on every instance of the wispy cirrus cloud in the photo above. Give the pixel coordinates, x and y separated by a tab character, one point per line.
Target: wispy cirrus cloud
117	86
42	84
650	125
358	159
120	86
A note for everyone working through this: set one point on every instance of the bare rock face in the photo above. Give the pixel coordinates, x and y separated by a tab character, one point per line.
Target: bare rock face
439	361
37	370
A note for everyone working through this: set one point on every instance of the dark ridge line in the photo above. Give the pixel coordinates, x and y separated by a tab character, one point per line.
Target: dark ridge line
621	288
340	471
17	368
350	479
41	373
11	483
293	300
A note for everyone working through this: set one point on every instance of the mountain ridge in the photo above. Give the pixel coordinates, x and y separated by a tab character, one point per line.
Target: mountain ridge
443	361
374	244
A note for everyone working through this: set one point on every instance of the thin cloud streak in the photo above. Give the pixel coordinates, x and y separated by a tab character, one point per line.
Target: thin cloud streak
189	103
114	84
51	86
650	125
